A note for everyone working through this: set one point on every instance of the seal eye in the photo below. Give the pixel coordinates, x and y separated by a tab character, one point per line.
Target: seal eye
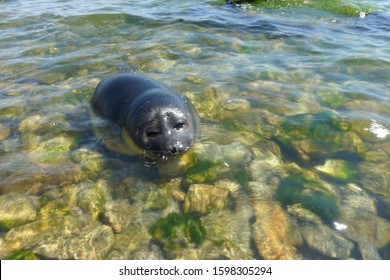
179	126
152	133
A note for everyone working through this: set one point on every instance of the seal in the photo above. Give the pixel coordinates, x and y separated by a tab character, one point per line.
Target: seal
159	121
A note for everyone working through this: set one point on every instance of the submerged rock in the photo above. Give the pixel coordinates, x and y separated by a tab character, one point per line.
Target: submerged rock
363	226
271	232
342	7
4	132
17	209
323	239
312	136
368	251
62	237
177	232
338	169
314	196
266	169
202	199
92	161
375	178
90	197
54	150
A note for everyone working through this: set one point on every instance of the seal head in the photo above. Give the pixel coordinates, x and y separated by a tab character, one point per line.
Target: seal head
158	120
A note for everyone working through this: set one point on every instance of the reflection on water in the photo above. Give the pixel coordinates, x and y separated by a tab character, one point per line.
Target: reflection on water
292	160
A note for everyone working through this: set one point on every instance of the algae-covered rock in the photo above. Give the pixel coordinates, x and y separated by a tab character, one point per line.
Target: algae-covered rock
341	7
271	231
90	160
203	199
338	169
311	194
53	150
17	209
23	255
177	232
315	136
62	237
38	124
91	197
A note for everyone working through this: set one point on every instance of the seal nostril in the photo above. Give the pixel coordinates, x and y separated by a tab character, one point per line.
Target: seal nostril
173	150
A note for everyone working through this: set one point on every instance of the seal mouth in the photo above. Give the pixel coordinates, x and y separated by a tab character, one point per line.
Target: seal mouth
172	152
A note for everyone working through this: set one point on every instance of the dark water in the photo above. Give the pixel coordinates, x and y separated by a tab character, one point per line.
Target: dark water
293	157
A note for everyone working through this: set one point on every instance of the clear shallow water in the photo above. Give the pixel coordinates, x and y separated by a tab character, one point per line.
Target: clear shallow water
294	154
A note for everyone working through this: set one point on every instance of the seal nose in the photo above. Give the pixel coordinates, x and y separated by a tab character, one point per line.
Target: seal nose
174	150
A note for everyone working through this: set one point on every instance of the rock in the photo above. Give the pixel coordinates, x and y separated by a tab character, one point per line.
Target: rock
313	195
303	214
54	150
177	232
263	191
235	154
17	209
375	178
356	197
128	241
312	136
323	239
90	197
271	233
50	123
92	161
119	214
224	250
267	169
63	237
4	132
203	199
368	130
32	178
236	105
363	226
368	251
338	169
208	152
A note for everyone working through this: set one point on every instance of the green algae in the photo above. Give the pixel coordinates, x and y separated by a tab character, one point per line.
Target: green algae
23	255
186	228
311	195
340	7
311	136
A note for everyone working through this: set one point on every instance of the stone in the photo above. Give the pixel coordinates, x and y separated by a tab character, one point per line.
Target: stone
368	251
312	194
323	239
63	237
338	169
203	199
5	131
90	197
266	169
313	136
271	231
17	209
